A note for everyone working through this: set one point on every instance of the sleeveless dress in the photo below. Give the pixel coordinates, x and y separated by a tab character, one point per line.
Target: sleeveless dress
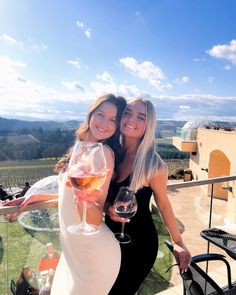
138	256
88	265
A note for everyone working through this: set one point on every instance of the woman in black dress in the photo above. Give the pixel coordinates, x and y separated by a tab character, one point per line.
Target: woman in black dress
143	171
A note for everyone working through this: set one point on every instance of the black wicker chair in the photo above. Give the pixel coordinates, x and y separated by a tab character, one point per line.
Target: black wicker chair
197	282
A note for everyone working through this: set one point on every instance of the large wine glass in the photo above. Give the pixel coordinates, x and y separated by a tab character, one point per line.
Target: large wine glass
87	171
126	206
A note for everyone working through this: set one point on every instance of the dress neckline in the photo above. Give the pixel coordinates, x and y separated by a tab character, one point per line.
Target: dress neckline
121	181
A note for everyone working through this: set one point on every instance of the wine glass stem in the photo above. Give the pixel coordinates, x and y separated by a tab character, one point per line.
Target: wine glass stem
122	229
83	222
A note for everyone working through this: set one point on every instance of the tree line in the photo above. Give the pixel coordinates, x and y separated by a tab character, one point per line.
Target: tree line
54	143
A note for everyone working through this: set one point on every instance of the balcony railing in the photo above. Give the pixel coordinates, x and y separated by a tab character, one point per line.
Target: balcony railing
16	249
186	134
185	140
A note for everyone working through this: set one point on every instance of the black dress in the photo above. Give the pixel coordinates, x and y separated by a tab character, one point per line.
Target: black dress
138	256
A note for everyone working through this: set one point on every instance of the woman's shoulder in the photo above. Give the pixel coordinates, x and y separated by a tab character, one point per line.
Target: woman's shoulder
161	172
108	151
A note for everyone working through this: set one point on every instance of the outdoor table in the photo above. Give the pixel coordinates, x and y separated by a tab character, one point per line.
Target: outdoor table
221	239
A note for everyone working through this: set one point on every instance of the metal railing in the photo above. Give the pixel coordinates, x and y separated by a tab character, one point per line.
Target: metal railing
172	186
186	134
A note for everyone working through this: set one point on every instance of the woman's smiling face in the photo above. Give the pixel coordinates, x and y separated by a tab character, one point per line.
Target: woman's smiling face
133	121
102	123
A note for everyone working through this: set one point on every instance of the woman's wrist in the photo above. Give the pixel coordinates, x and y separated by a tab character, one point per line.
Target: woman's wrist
106	208
178	242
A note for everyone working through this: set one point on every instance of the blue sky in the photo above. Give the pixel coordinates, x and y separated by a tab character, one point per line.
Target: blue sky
57	56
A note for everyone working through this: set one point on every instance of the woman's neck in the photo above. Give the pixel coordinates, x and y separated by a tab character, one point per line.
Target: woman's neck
131	147
90	138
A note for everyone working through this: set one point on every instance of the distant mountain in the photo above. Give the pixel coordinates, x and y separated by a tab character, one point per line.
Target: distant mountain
12	125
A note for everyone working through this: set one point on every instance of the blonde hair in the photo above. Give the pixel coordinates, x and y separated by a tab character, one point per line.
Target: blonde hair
147	162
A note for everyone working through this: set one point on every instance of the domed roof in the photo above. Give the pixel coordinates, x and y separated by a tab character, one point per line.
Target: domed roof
194	124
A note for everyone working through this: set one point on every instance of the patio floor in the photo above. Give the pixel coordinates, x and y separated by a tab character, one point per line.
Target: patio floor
191	207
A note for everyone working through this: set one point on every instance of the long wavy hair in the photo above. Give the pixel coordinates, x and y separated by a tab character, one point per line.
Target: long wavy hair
24	274
81	134
147	162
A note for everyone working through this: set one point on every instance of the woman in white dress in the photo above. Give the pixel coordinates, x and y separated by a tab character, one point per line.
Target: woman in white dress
89	264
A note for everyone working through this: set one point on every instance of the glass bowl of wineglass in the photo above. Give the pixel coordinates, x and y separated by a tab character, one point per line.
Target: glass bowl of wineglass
87	171
125	206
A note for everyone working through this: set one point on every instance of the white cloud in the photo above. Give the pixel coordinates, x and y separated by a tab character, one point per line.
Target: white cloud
108	86
21	97
10	40
226	51
86	30
75	63
40	47
80	24
184	107
185	79
228	67
105	76
182	80
210	80
146	71
73	85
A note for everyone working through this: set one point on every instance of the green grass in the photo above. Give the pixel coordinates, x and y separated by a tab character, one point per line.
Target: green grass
22	247
158	279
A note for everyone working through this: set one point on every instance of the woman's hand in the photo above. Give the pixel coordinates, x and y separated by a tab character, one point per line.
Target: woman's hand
182	255
13	216
90	197
114	216
27	201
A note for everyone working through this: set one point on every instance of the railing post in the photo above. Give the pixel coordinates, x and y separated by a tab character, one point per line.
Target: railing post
211	204
209	223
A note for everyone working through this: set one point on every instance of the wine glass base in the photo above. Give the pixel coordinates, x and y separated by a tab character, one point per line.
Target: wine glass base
122	238
83	229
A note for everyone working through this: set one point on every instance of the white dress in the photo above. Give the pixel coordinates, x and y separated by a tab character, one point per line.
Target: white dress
89	264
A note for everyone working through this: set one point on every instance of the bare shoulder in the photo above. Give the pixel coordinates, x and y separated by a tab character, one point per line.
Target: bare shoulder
108	151
160	176
109	155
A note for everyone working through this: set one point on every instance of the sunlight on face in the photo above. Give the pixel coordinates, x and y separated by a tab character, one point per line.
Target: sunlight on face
133	121
102	124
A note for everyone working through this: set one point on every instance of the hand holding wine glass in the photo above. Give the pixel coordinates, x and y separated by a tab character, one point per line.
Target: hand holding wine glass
87	172
126	206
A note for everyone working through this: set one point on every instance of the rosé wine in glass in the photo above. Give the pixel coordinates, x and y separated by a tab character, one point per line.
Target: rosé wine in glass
87	172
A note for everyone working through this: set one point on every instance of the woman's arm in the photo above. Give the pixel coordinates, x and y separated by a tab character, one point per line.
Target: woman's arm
38	198
23	202
159	186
